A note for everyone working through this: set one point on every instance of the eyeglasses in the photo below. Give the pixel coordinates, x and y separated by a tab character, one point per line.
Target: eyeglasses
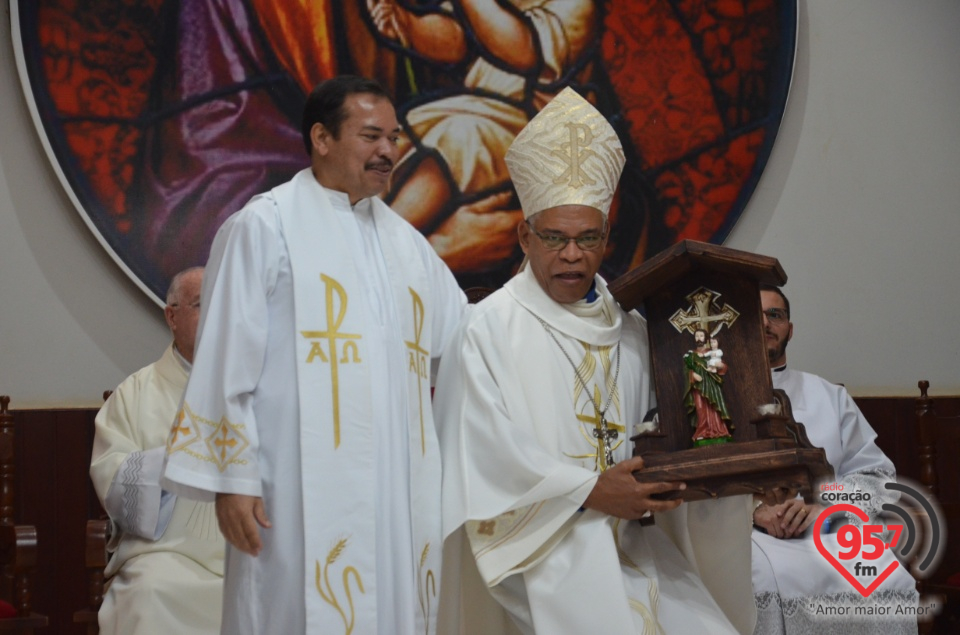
776	316
556	242
193	305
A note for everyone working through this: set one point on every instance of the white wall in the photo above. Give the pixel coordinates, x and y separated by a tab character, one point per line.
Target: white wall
859	202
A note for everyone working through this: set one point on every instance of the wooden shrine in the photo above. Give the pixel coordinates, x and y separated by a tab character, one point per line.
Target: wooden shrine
698	286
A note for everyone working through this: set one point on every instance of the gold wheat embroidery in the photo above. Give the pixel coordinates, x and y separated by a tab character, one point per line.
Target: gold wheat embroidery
426	586
586	368
605	361
329	596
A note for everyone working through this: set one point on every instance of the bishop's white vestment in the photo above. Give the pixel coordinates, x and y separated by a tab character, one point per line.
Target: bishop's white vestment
520	457
794	584
165	572
311	389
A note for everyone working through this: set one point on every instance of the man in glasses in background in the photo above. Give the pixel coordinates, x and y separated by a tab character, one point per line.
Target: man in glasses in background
165	573
791	580
537	398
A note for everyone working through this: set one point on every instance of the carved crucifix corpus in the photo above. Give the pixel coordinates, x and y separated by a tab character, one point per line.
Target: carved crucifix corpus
704	313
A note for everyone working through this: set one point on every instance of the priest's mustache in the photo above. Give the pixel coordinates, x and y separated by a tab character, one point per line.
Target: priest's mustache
380	165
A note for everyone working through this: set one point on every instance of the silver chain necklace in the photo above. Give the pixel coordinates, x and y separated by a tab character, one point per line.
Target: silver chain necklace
601	433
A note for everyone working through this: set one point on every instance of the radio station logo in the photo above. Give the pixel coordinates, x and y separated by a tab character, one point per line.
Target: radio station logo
861	553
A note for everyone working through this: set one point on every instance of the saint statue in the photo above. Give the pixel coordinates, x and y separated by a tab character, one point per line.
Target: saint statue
703	398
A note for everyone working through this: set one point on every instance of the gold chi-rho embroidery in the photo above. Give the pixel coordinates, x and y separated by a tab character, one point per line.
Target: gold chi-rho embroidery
574	154
418	357
331	335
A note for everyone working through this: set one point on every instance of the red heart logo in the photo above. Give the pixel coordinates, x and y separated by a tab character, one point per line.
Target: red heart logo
864	591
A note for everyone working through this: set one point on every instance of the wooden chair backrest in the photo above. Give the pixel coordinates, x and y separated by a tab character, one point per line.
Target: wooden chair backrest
938	440
95	559
18	543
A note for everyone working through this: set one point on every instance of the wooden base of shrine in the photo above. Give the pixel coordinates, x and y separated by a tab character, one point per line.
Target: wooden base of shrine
730	469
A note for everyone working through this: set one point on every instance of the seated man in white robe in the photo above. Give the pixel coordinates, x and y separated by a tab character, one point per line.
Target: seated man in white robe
165	572
307	414
796	588
536	401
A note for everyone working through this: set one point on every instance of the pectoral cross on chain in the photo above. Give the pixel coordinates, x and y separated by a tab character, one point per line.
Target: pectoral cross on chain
605	432
605	437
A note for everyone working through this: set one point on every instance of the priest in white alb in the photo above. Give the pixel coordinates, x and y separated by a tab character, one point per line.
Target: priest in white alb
798	591
165	572
307	415
536	400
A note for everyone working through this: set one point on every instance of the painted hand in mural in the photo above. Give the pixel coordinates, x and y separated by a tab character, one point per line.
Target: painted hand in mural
454	156
479	236
440	37
436	36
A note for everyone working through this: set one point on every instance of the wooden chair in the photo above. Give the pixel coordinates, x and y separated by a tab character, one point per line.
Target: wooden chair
18	543
95	559
938	437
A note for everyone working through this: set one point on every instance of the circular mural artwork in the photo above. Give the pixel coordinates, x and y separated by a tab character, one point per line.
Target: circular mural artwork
163	118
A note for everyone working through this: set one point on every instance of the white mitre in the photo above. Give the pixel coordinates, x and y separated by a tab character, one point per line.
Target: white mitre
568	154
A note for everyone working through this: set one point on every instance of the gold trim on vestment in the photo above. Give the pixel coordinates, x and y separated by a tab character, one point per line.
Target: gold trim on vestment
323	580
426	587
226	443
185	430
586	369
494	526
332	334
418	358
223	446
